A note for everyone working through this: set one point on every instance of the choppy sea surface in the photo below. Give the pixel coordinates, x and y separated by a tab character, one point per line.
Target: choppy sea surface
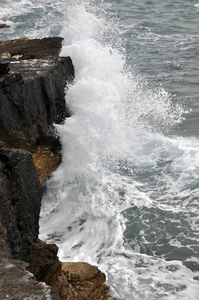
126	195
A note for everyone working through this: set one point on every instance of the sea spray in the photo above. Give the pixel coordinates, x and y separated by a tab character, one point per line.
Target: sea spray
112	201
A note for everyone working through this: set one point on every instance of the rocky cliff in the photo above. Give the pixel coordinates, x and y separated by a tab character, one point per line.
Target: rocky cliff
20	199
32	97
32	94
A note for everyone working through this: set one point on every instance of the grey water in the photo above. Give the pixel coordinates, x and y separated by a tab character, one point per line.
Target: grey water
163	44
126	194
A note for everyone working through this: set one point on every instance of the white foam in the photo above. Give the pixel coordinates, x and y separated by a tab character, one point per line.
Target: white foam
114	134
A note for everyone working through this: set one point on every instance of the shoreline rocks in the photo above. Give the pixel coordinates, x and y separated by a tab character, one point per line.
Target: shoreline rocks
74	280
22	251
32	98
20	198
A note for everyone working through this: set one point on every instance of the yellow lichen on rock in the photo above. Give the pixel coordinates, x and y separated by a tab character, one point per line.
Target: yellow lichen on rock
45	162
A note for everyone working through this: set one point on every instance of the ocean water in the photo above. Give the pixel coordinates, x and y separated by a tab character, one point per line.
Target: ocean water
126	195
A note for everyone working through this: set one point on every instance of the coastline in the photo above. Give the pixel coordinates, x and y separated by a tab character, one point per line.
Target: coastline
32	98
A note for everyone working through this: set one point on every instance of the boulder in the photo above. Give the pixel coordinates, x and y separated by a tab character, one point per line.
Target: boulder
81	281
84	272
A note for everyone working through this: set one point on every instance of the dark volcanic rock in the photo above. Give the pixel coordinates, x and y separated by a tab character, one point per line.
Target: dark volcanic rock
32	95
20	198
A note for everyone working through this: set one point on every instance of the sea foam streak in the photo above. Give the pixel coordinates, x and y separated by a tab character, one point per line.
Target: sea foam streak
113	136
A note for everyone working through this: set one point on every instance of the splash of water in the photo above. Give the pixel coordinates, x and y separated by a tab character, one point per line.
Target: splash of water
116	129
